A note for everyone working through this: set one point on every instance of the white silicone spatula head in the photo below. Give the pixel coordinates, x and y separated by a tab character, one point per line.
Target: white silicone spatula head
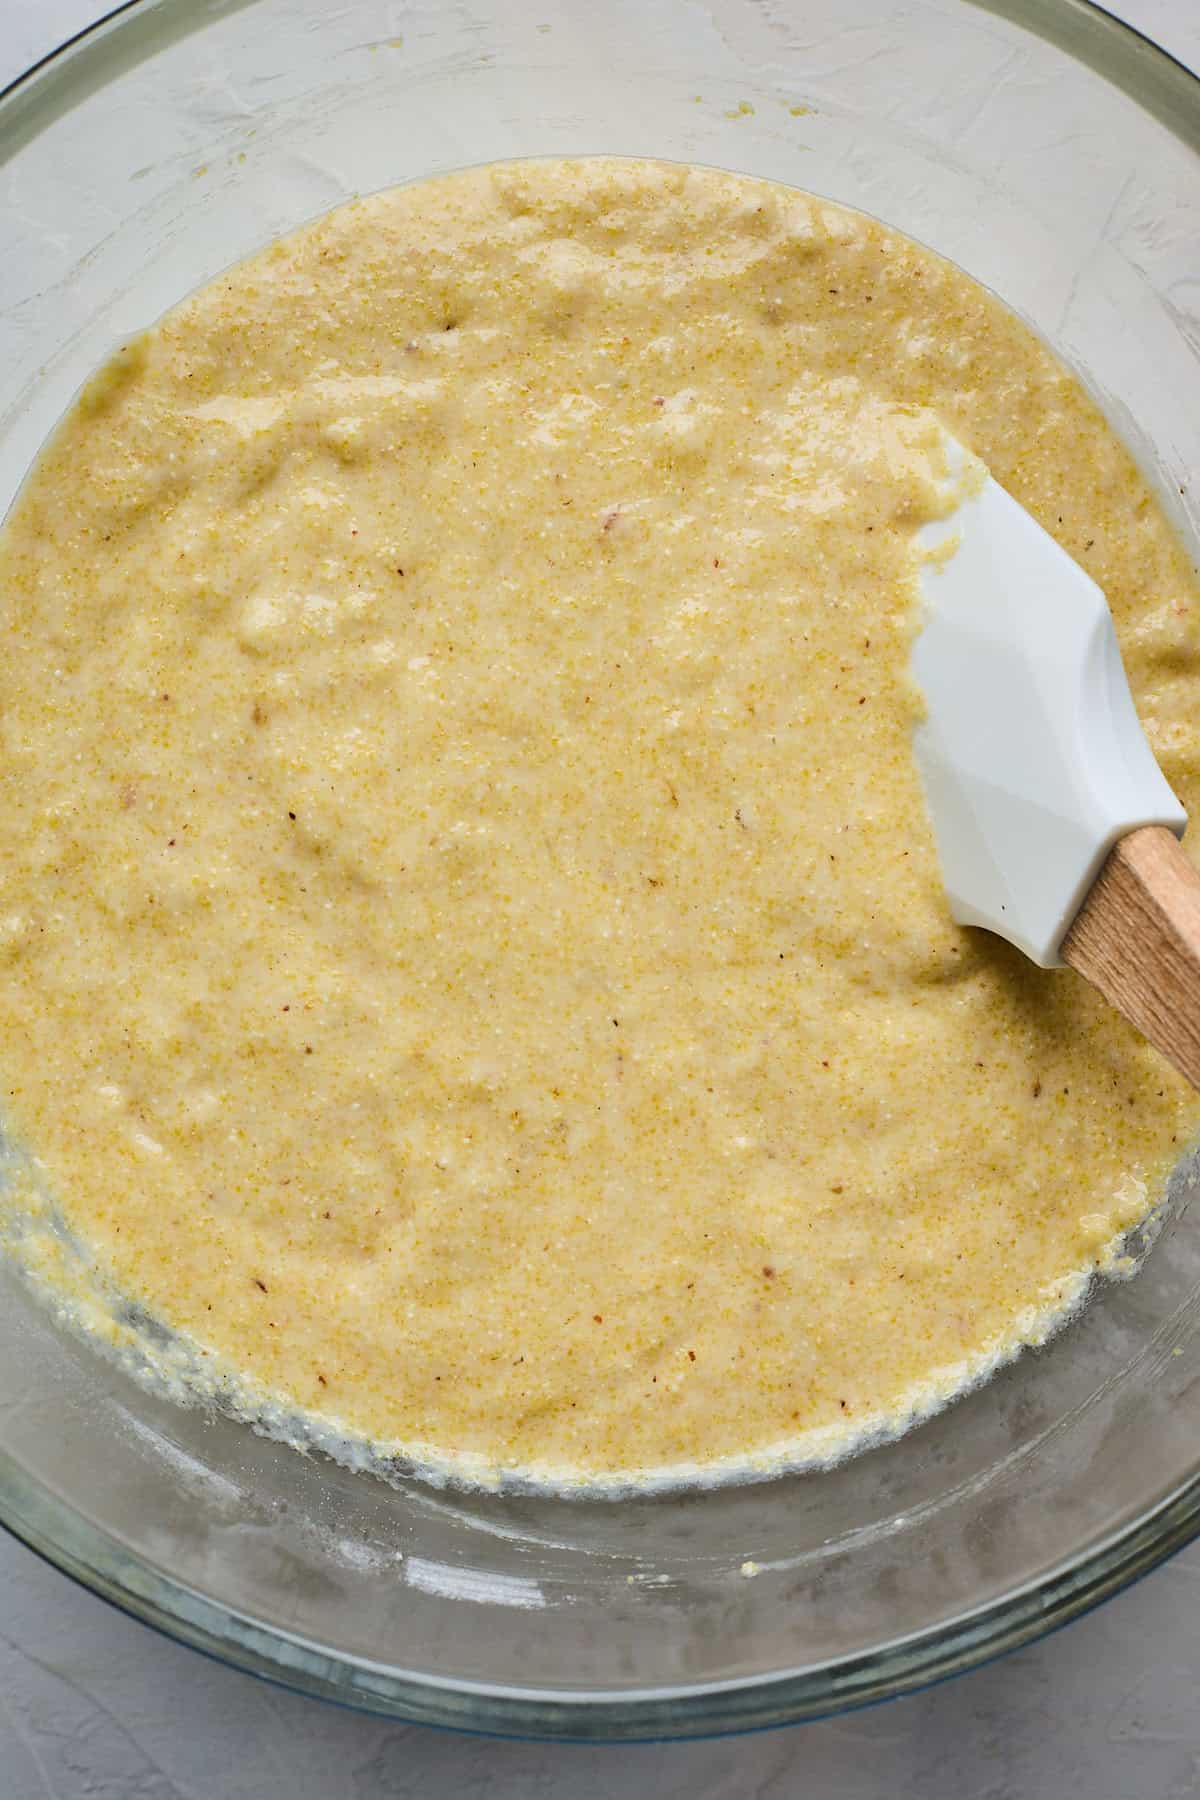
1032	756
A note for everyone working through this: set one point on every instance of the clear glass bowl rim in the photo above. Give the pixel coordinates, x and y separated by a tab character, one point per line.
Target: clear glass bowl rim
56	1531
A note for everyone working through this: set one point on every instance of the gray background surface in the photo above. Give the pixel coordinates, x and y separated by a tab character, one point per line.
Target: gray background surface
96	1707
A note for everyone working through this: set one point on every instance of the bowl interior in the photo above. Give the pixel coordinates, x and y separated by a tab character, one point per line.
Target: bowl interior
1064	171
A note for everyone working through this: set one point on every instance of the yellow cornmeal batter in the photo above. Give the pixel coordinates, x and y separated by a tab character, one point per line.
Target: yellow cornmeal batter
474	961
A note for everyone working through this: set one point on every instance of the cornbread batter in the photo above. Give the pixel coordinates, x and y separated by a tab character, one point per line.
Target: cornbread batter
474	965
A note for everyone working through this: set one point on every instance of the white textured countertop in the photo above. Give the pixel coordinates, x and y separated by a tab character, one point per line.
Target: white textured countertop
96	1707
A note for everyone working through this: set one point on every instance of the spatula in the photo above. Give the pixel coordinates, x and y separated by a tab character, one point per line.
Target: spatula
1054	825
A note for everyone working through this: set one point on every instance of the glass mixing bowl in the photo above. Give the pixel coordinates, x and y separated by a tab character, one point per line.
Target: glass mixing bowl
1056	156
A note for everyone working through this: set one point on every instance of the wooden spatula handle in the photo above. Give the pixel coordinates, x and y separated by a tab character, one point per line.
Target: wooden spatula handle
1137	939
